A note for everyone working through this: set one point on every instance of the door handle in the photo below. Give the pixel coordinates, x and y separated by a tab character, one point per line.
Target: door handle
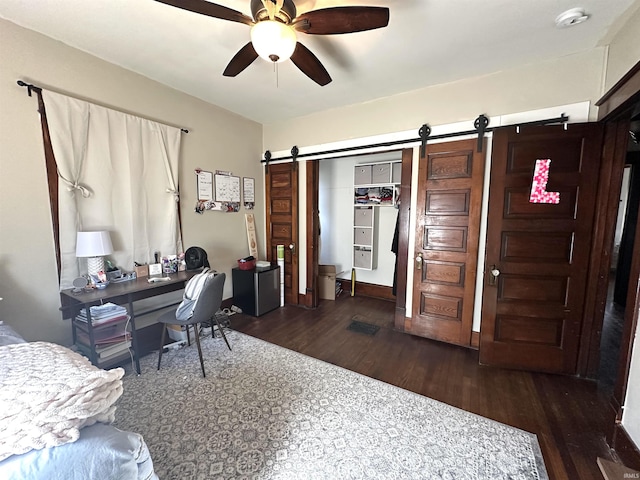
292	247
419	261
494	273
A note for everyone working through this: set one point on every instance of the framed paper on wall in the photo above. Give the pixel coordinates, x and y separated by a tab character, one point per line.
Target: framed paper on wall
248	191
205	185
227	192
227	188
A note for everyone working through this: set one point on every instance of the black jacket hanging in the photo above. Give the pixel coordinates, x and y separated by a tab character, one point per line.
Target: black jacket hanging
394	249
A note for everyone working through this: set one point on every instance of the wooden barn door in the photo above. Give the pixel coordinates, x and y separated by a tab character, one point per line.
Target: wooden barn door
282	223
538	245
447	235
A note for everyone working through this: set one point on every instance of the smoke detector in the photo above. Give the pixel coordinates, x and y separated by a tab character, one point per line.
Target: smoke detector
571	17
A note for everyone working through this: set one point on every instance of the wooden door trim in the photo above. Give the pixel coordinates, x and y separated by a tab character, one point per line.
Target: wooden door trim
404	210
311	296
616	108
607	200
267	215
621	96
295	226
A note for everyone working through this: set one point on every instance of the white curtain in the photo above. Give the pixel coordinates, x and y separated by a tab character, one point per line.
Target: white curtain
116	172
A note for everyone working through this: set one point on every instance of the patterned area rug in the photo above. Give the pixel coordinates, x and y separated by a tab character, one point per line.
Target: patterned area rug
265	412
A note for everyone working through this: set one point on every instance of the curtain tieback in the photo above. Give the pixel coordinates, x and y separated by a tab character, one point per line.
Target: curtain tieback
175	194
72	186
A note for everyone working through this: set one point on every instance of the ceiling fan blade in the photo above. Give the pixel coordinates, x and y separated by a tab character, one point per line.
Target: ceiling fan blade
335	20
309	64
210	9
241	60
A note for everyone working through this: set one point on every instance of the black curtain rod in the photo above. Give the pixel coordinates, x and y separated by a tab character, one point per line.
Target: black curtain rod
33	88
424	136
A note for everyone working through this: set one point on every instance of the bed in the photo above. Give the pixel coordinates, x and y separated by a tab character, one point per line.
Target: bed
55	412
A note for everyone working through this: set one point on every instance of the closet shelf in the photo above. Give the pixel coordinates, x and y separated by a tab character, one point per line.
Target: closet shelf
374	185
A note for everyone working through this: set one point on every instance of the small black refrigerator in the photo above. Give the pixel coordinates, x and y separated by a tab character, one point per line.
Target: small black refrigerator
256	291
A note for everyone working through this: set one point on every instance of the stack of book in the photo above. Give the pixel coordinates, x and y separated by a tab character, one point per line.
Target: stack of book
111	337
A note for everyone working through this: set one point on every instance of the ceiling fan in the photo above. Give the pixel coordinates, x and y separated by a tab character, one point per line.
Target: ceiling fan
274	26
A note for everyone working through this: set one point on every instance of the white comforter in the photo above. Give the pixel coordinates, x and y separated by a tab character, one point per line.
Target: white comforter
48	393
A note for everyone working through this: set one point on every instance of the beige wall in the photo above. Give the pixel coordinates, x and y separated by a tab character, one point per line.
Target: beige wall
218	140
624	49
571	79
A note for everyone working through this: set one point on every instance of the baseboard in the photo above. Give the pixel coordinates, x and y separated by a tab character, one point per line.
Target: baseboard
399	319
305	300
613	414
369	290
615	471
625	448
475	340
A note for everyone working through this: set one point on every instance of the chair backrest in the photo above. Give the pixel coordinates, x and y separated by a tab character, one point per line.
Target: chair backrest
209	300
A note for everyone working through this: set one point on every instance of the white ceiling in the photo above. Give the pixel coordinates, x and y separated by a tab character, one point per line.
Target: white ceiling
427	42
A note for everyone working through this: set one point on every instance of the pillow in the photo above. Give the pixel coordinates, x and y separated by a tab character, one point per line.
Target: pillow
48	393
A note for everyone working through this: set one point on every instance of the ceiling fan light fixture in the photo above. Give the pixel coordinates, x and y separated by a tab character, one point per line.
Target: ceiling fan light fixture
274	41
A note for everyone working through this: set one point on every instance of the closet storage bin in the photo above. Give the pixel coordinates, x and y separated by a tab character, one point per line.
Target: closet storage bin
363	236
363	217
381	173
396	172
362	258
362	175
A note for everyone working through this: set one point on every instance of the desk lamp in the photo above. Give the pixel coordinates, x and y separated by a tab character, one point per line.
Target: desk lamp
94	246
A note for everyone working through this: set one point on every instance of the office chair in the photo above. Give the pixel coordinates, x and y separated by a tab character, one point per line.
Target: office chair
207	305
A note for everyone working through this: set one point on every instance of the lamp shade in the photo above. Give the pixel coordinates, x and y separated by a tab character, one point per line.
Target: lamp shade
274	41
93	244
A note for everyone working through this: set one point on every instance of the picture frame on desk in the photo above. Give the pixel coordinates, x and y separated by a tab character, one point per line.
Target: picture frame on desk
155	269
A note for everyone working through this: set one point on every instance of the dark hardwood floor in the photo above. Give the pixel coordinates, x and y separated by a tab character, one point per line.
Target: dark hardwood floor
566	413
